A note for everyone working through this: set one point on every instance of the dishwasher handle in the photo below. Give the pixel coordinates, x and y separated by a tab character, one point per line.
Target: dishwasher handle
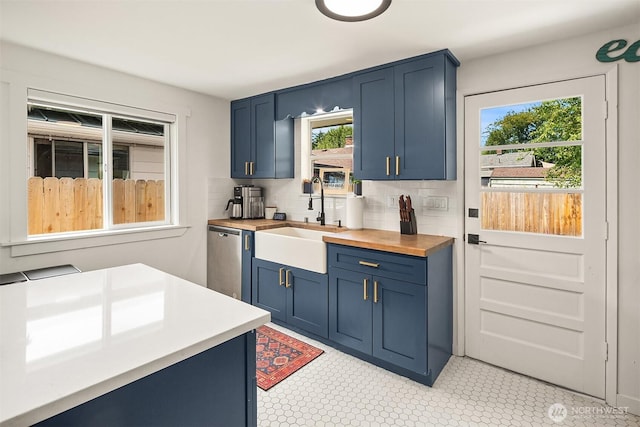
224	231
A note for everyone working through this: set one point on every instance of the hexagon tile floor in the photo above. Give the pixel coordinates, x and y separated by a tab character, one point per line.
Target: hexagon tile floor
339	390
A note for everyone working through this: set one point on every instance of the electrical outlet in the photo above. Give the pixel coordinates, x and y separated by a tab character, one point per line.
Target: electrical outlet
436	203
392	201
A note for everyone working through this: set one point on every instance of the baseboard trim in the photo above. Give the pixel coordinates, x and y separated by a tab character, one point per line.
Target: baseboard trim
633	403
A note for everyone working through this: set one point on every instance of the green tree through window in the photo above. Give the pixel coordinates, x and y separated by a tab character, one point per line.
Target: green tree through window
547	121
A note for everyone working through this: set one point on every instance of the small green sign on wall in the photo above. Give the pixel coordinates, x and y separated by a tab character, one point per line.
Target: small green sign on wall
616	50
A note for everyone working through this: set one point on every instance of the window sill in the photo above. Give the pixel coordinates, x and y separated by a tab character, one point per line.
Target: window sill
48	244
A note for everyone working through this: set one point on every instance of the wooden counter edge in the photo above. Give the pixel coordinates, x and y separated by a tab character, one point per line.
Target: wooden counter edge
388	247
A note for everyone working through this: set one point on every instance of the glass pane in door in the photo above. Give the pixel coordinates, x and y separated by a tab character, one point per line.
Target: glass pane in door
536	188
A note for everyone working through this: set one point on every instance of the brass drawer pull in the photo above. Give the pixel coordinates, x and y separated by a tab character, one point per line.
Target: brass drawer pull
246	242
388	166
364	289
287	280
280	281
246	168
369	264
375	291
251	168
397	165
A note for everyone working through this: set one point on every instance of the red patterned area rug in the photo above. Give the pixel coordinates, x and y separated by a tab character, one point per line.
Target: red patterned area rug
278	355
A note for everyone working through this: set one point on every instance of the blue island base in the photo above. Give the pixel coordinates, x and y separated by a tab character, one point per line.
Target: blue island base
214	388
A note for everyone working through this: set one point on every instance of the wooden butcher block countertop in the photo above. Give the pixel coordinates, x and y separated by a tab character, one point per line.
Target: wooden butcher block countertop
266	224
421	245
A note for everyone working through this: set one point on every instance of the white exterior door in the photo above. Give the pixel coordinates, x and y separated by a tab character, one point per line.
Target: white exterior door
535	282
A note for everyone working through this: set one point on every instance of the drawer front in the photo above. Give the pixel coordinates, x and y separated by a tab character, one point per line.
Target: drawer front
384	264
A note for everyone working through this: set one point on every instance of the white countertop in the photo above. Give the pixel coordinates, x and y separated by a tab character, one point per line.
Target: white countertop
68	339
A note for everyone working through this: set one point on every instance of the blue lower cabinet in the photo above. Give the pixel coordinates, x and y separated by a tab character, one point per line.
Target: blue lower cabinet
294	296
381	317
268	290
350	321
400	324
404	326
307	300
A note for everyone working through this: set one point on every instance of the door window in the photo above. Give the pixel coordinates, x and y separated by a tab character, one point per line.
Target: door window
531	167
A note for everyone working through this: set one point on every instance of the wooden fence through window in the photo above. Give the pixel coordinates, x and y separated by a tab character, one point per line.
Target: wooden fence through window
67	204
545	213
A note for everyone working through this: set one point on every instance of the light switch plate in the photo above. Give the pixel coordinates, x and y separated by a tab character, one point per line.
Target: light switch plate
436	203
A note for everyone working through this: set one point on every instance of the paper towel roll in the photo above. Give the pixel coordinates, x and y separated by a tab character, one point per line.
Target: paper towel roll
355	207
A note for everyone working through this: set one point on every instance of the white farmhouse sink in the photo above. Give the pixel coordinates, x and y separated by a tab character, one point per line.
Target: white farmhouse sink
295	247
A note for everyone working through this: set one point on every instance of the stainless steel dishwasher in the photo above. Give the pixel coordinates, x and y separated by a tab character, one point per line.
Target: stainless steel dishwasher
224	260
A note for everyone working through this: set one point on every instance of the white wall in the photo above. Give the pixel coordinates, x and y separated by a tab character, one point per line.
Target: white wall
575	58
205	148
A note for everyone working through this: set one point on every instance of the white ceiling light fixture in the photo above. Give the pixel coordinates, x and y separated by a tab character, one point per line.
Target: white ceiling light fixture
352	10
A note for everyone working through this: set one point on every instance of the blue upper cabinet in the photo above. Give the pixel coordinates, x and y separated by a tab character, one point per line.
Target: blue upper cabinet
404	120
261	147
373	124
240	138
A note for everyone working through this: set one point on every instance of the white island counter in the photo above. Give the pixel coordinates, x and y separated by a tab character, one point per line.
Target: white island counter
69	339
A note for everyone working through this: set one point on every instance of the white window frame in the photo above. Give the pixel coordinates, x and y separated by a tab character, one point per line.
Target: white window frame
18	240
307	123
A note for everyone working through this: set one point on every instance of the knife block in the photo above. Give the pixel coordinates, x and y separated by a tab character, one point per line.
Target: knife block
411	226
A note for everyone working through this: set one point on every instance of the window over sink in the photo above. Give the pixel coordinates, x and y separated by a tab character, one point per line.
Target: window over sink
327	150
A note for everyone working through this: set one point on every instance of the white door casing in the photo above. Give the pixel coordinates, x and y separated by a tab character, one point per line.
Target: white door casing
535	303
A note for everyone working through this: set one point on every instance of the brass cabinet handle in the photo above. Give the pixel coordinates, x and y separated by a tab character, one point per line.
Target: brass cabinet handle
397	165
246	242
375	291
251	168
364	289
369	264
280	281
246	168
287	282
388	166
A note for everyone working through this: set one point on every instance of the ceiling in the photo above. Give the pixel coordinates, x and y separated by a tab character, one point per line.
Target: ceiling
236	48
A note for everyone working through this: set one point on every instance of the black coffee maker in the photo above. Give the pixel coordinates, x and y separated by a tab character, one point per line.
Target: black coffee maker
235	203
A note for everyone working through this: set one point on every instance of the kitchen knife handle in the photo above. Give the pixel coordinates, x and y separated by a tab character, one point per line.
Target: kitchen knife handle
388	166
397	165
369	264
280	281
364	289
375	291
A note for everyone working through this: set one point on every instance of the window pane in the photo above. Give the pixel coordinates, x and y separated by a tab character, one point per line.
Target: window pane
538	212
538	121
138	171
549	167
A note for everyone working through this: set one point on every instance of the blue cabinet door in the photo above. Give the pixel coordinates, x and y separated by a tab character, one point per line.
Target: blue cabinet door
247	255
268	288
263	137
400	323
373	125
308	301
240	138
350	318
420	119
